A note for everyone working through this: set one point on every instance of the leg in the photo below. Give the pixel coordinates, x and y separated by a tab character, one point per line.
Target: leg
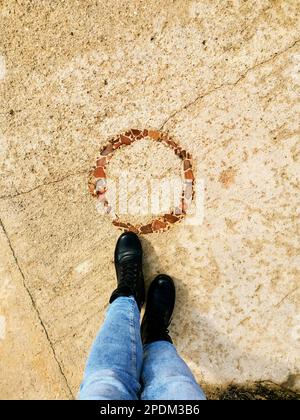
165	375
114	365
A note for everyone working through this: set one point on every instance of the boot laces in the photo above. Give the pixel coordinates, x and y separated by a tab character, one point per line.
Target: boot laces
129	272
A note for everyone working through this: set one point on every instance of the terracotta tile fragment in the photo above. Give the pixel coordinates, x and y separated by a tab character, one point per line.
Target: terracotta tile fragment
107	150
146	229
181	153
172	144
177	150
125	140
120	224
101	162
189	174
99	172
158	225
117	145
136	132
132	228
170	218
165	138
154	134
145	133
131	135
187	164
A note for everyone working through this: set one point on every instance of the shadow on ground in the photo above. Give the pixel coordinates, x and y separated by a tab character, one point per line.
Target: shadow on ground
265	390
261	391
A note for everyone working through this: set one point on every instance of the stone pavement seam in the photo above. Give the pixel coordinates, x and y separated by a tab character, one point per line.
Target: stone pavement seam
232	84
35	308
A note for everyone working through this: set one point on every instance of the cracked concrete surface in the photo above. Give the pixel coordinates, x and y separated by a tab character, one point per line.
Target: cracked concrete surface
223	77
30	369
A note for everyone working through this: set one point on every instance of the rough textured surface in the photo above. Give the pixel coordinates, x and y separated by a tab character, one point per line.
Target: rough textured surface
28	365
223	78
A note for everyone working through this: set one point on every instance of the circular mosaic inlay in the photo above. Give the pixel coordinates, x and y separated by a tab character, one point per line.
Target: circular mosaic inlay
98	185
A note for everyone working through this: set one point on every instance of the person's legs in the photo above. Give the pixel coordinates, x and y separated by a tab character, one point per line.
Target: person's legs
165	376
114	365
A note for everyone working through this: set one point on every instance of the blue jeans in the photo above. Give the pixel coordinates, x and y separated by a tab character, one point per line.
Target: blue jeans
119	368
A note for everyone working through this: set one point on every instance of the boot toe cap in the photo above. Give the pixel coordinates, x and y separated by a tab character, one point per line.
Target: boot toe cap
128	245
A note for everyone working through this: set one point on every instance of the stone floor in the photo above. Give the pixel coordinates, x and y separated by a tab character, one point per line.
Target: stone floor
223	78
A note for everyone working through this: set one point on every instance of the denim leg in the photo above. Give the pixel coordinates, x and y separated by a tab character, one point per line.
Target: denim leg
114	366
165	376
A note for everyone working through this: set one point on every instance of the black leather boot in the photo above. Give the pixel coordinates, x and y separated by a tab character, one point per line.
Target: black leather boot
159	310
128	263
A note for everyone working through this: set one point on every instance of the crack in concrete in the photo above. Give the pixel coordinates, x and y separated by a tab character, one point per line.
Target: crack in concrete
286	297
7	197
185	107
36	309
223	85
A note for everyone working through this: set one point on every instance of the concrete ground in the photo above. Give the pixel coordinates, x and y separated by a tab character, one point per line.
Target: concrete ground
223	78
